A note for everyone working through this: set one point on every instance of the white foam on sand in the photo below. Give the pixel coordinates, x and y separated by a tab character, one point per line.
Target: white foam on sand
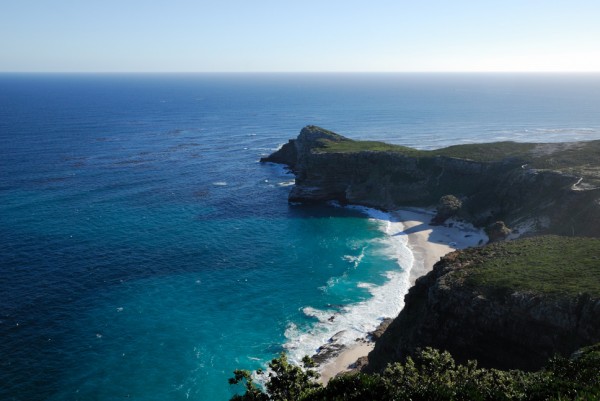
429	243
352	322
416	246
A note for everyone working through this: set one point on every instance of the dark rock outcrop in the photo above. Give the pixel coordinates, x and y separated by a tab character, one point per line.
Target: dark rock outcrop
287	154
447	207
515	329
378	332
497	231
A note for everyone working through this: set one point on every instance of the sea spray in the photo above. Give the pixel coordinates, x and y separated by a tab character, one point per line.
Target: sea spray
348	324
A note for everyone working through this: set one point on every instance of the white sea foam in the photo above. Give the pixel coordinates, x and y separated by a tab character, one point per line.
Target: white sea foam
355	321
355	260
286	183
220	183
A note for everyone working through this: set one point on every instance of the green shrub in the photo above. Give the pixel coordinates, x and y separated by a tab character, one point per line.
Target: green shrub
433	375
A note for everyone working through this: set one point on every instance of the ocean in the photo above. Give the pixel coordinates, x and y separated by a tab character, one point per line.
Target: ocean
145	252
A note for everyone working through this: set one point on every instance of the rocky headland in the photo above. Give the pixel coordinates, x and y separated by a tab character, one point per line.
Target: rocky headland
542	188
508	304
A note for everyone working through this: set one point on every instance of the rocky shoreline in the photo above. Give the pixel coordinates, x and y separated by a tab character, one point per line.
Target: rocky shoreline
428	244
534	188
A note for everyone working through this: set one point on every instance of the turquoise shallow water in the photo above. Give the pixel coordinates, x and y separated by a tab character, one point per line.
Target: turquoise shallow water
146	253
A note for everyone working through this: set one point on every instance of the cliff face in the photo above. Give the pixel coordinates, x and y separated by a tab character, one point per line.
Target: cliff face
502	328
502	189
501	323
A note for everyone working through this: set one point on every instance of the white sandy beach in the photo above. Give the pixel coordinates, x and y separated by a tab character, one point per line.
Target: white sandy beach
428	244
344	360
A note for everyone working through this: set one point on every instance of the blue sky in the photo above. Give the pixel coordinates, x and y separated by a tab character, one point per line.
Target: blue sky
307	35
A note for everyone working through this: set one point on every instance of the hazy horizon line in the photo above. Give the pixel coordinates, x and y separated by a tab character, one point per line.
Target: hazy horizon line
304	72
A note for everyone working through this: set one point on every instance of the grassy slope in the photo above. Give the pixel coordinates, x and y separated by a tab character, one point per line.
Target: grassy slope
350	146
480	152
575	158
551	265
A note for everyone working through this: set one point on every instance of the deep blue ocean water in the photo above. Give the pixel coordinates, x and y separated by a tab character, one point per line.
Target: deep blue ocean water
146	254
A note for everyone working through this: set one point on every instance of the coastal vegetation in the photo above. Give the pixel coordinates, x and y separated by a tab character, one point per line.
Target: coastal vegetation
509	305
547	265
433	375
576	158
502	310
350	146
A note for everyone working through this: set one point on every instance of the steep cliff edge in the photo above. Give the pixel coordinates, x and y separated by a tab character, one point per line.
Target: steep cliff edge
552	188
508	305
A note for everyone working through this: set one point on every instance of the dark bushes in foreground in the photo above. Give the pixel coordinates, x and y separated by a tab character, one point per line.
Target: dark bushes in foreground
433	376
